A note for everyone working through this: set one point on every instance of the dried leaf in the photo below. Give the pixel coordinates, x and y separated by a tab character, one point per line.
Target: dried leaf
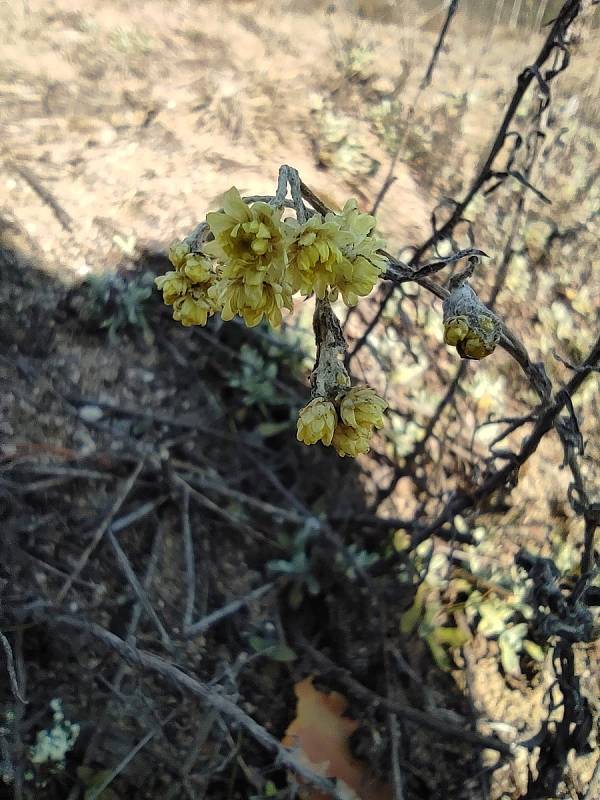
320	732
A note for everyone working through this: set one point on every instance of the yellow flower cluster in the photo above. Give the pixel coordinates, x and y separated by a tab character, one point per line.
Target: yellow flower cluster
336	254
251	243
256	261
470	341
347	424
187	287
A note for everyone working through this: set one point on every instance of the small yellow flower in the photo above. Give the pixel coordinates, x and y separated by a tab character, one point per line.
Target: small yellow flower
252	301
178	253
362	408
315	253
317	422
253	235
334	255
349	441
173	285
356	278
359	225
473	346
455	330
193	309
197	268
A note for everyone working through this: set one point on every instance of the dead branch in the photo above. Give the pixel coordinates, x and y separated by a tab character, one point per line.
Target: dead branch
101	530
434	722
43	193
144	660
452	9
503	477
200	627
10	668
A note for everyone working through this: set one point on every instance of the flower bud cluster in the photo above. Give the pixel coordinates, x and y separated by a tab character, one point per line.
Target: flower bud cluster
347	423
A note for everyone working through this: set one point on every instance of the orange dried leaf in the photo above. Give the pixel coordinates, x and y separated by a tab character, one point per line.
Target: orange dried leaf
320	733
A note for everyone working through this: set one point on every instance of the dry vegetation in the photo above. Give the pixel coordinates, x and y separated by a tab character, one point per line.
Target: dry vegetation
173	565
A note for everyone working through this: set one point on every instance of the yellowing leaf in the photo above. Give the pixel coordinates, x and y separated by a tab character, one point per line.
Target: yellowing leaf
453	637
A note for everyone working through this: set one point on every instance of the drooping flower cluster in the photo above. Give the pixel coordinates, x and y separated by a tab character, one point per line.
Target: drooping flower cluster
347	423
256	261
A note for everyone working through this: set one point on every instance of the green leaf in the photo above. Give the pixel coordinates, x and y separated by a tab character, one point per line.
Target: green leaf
92	780
439	655
494	616
258	644
267	429
452	637
510	643
295	596
533	650
280	652
411	617
279	565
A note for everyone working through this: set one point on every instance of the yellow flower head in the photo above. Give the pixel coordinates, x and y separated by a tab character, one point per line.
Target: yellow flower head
252	301
177	254
317	422
197	268
473	338
473	346
349	441
315	253
455	330
334	255
252	235
469	325
193	309
356	278
187	288
173	285
362	408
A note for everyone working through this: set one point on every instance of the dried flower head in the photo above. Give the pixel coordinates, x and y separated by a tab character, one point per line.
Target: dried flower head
317	422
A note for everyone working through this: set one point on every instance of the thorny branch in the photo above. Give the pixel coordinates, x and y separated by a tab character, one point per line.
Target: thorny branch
555	41
506	476
452	9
